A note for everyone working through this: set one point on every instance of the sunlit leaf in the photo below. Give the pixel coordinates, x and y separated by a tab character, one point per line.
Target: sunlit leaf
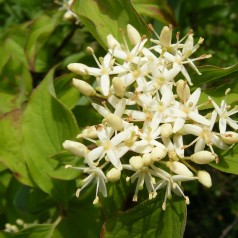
108	17
46	124
10	146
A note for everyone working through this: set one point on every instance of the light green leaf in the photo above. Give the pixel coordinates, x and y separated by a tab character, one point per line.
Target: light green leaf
108	17
46	124
149	220
65	91
10	146
157	9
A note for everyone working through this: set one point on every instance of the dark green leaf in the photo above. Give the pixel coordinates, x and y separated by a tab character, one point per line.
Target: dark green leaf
228	162
148	220
211	73
158	10
36	231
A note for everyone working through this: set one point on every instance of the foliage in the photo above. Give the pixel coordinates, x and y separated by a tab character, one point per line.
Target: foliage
39	110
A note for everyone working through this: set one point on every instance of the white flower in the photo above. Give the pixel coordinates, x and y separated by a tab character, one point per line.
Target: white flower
188	110
107	146
205	135
143	175
95	174
224	114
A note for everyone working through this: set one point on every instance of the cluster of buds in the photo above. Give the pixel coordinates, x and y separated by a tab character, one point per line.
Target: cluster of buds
148	114
13	228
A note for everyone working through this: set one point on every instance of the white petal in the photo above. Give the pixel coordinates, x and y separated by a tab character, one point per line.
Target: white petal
104	84
95	153
114	160
200	145
178	143
194	97
178	124
232	124
191	129
120	108
102	110
198	118
222	125
117	139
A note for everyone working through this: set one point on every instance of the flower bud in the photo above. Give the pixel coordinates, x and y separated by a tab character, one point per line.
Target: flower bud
113	121
113	175
133	35
204	178
147	159
157	153
118	87
78	68
136	162
112	42
84	87
183	90
75	148
89	132
230	137
179	168
188	46
166	36
203	157
166	130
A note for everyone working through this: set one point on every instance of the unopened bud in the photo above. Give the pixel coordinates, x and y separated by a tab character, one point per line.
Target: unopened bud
158	153
147	159
183	90
113	175
84	87
89	132
113	121
136	162
75	148
203	157
166	130
179	168
133	35
204	178
118	87
78	68
112	42
230	137
166	36
188	46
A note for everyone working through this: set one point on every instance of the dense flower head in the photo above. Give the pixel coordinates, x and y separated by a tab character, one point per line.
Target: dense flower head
149	111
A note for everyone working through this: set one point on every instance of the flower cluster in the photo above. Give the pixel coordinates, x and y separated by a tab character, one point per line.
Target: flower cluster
147	117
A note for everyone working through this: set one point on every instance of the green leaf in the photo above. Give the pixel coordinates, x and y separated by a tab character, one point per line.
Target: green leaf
148	220
10	146
158	10
108	17
211	73
40	31
46	124
36	231
228	162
